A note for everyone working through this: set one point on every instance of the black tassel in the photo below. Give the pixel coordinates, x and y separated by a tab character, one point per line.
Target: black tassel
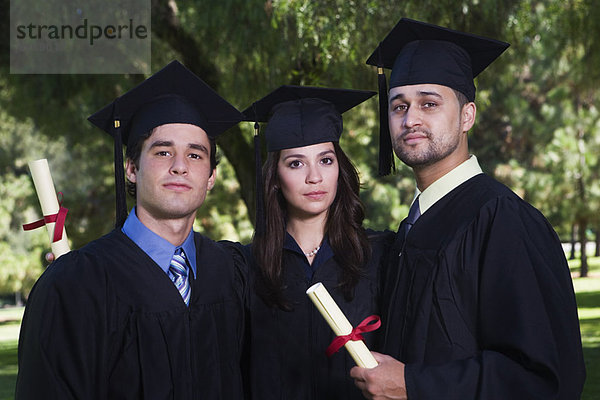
386	156
259	223
121	202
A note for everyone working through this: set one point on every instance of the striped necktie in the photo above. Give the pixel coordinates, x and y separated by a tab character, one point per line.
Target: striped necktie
413	214
179	275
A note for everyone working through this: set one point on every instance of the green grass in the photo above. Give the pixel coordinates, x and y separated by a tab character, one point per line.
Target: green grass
8	370
588	301
10	320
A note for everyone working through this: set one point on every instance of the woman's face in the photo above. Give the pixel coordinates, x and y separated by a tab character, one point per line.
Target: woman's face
308	179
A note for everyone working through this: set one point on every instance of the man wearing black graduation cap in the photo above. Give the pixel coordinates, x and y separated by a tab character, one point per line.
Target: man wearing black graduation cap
152	310
478	300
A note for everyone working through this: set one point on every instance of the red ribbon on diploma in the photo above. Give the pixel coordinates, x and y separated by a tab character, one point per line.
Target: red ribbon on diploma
356	334
59	218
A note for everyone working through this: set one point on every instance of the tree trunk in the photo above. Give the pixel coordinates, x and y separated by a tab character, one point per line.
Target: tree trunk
582	220
573	241
597	252
239	153
583	240
18	299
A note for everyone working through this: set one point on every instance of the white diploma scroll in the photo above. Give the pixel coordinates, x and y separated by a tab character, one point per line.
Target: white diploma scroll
44	187
340	324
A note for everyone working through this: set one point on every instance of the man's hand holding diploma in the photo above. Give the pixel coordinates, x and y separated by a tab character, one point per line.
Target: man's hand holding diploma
384	382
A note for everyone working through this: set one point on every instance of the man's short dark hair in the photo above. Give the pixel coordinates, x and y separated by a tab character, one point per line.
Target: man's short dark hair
134	153
462	99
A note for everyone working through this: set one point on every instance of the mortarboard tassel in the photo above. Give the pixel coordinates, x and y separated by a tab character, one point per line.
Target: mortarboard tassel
386	157
260	215
121	202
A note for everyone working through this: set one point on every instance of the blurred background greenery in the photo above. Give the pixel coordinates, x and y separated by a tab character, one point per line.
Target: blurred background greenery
538	126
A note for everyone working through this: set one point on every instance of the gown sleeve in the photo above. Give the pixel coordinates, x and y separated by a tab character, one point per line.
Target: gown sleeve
241	255
62	345
526	316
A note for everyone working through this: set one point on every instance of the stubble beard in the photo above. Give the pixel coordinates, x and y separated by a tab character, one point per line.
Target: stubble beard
438	148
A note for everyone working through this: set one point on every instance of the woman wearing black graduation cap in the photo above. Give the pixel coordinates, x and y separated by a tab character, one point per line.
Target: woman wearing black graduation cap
311	232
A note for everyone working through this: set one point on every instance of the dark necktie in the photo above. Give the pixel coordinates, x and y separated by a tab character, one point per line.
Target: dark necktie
179	275
413	214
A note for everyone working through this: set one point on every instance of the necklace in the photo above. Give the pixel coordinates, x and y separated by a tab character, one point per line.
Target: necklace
314	252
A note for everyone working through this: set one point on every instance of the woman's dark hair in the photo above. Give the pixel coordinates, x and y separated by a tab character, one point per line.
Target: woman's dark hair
347	238
134	153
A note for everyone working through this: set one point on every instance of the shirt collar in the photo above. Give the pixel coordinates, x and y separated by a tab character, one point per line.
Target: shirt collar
157	248
447	183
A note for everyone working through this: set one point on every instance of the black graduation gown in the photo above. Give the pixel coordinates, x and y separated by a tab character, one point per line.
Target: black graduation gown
105	322
479	302
286	349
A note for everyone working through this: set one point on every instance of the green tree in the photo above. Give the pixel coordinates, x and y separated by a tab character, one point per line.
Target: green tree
552	132
535	97
22	252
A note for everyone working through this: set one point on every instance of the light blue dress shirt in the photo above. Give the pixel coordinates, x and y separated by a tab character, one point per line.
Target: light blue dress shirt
157	248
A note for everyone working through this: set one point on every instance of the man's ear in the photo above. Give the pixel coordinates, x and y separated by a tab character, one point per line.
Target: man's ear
211	179
130	171
468	113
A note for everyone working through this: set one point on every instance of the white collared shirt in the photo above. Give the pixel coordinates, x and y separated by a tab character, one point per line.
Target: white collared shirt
447	183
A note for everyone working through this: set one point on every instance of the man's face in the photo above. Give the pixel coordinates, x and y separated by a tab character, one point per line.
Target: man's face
174	172
426	125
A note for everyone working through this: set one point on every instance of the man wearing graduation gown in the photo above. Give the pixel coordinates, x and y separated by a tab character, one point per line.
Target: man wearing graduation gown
478	301
117	319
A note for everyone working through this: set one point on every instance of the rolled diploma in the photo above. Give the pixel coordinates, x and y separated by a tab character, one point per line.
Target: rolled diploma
44	186
340	324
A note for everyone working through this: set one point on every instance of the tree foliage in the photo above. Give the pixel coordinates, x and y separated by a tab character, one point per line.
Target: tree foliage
537	128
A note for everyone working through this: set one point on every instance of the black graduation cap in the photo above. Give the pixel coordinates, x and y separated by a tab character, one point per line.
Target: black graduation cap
303	115
172	95
419	53
298	116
